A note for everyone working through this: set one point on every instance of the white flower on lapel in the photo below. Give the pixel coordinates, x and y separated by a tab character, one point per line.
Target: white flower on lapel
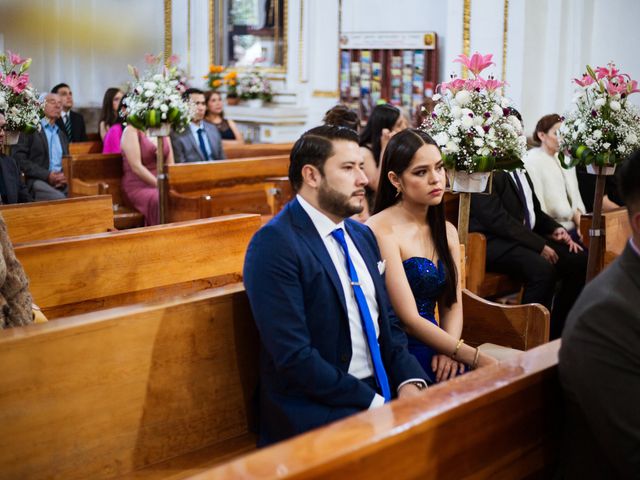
382	265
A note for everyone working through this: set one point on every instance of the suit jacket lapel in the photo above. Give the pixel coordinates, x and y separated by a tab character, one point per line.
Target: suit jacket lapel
309	235
214	142
194	144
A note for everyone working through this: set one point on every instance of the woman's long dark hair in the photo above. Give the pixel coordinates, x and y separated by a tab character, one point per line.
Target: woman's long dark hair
382	116
207	96
397	156
108	116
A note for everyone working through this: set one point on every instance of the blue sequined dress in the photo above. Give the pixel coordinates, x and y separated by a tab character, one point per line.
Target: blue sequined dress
427	283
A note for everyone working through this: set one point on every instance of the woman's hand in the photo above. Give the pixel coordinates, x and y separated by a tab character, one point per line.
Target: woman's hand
445	367
485	360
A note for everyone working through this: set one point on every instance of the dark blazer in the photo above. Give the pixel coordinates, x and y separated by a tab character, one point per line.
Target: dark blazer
186	149
78	130
299	307
32	154
599	368
15	190
500	217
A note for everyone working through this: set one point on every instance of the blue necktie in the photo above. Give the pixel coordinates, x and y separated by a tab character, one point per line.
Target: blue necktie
365	316
523	199
203	147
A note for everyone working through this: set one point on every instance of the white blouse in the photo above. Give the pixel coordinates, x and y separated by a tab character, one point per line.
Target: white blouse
556	187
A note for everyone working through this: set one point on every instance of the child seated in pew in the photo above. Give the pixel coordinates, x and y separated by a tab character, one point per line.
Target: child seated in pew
15	299
421	251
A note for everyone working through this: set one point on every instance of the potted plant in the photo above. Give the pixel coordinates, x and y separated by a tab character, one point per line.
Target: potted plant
231	80
255	89
18	99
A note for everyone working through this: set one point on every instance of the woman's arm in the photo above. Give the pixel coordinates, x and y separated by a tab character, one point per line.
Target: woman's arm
131	151
451	317
370	168
236	132
102	128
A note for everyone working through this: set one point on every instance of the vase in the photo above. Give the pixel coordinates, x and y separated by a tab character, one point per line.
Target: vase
11	137
162	131
233	100
597	170
465	182
254	103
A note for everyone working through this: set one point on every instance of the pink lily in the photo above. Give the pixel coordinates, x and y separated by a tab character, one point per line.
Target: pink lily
610	72
585	81
454	85
614	87
150	59
16	59
632	87
173	60
16	82
492	84
476	63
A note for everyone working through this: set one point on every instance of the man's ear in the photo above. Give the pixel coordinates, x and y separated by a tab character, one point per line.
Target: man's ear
311	176
635	223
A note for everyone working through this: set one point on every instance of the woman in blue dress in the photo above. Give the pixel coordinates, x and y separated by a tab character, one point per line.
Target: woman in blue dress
421	253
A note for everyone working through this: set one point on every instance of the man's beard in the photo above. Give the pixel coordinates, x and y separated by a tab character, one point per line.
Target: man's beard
336	203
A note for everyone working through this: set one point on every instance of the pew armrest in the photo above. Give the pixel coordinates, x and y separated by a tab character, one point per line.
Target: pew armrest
476	261
516	326
80	188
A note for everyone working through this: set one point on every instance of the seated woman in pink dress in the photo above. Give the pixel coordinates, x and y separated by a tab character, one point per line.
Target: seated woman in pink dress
139	183
111	141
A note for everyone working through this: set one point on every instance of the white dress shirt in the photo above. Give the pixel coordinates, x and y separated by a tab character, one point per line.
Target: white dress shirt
528	194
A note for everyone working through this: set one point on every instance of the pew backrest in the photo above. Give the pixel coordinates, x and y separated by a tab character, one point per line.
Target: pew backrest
617	231
257	150
93	173
85	147
92	272
104	394
27	222
497	422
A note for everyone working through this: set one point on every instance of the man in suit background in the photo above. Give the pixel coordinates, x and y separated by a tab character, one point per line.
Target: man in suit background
39	154
331	344
12	189
72	123
526	243
201	141
600	360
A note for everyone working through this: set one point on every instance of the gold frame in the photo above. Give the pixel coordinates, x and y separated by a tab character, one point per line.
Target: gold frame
168	39
216	45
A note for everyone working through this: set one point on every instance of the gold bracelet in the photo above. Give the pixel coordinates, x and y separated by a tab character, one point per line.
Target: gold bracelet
474	365
458	345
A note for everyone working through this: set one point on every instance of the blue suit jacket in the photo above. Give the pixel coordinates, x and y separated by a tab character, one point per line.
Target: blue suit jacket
300	311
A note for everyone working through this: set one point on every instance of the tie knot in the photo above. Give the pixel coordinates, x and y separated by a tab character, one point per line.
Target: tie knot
338	234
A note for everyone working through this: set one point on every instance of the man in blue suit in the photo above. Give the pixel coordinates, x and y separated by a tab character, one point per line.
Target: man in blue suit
331	344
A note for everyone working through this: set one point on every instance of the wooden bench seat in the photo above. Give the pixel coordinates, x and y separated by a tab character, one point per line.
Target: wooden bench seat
101	174
27	222
257	150
165	391
502	421
92	272
207	189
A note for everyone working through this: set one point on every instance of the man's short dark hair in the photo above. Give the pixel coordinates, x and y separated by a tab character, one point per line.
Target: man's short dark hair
629	182
59	86
313	148
190	91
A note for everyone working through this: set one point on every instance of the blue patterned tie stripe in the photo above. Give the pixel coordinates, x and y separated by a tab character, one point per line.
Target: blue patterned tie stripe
203	147
67	126
365	316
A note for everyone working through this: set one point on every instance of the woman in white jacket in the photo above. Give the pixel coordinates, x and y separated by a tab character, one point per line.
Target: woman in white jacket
556	187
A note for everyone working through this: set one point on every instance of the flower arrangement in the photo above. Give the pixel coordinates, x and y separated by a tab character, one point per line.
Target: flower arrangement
473	124
214	77
155	97
254	86
603	128
18	99
231	79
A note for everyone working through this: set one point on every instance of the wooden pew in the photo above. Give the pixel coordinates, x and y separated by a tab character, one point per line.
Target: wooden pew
93	272
76	148
498	422
164	390
101	174
27	222
207	189
617	232
107	394
257	150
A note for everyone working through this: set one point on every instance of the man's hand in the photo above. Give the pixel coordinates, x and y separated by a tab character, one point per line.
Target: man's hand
408	390
56	179
445	367
549	254
561	235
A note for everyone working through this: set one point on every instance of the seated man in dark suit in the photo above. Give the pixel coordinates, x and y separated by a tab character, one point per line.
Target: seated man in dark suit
12	189
600	360
201	141
39	154
331	344
526	243
72	123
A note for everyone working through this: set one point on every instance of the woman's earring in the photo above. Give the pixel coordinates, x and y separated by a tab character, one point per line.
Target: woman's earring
398	192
